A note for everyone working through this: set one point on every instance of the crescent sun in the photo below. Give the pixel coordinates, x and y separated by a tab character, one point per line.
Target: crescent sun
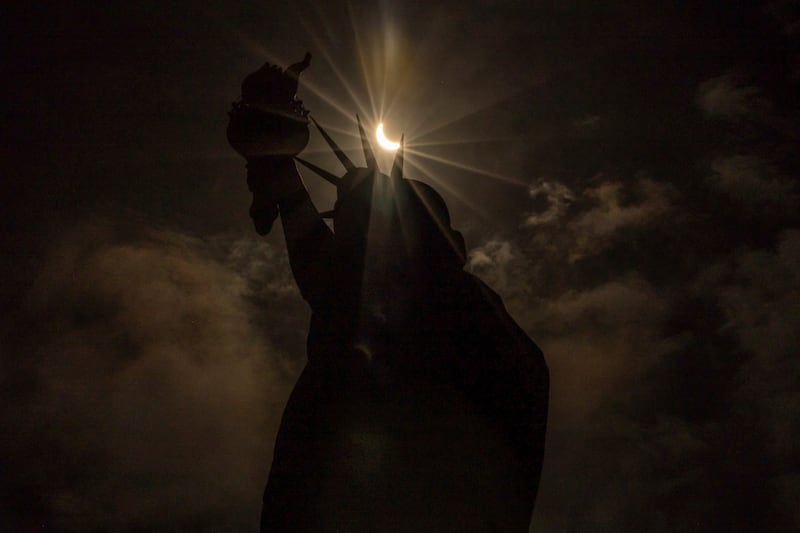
385	143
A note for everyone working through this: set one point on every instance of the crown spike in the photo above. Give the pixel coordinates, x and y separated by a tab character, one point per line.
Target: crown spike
369	156
348	165
324	174
397	166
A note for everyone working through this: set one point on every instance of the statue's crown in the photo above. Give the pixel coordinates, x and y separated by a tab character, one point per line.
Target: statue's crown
403	194
354	175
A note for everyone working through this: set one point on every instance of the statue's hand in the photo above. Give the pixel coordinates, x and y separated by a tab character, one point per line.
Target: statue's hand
269	120
271	180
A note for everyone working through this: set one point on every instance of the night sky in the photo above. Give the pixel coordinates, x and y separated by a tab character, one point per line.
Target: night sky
625	175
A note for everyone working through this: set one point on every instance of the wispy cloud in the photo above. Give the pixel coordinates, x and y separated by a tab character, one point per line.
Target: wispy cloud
722	97
759	301
587	223
153	376
749	181
554	199
595	229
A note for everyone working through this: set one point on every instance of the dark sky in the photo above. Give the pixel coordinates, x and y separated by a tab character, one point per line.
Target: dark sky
625	174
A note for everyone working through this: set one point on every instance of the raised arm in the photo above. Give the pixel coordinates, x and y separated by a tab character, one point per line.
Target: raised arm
269	126
278	190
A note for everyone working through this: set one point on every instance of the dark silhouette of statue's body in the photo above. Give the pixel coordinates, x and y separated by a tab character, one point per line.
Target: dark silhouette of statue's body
423	405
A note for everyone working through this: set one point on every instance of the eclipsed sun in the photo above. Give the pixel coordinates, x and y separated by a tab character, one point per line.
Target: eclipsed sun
385	143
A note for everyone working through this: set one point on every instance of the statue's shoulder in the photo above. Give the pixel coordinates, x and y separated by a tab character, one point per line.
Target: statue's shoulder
489	314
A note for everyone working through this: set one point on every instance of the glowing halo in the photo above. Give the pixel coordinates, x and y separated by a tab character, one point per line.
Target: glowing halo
385	143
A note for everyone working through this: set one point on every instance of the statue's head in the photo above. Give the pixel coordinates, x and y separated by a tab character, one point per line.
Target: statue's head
389	221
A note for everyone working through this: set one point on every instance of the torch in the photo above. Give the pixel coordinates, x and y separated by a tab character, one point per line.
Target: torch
269	126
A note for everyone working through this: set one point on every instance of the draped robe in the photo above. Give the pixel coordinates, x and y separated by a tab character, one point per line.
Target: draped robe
422	406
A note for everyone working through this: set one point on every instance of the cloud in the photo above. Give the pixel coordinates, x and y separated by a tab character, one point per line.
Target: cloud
629	442
722	97
628	301
601	343
760	304
554	197
565	226
596	228
491	262
749	181
595	339
598	340
156	396
588	121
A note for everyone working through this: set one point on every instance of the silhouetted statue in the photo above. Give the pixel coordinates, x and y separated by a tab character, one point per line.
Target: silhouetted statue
423	405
